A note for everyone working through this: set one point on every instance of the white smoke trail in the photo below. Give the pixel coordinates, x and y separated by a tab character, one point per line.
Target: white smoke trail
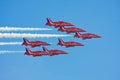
29	35
10	43
7	52
21	29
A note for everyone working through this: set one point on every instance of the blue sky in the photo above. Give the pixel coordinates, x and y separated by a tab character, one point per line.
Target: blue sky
99	59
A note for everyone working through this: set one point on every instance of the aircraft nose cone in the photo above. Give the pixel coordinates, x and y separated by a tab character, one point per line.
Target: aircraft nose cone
81	44
48	44
82	30
98	36
72	25
65	53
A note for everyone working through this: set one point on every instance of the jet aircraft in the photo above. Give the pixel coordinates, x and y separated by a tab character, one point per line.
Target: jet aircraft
54	52
58	23
34	43
86	36
68	44
34	53
71	30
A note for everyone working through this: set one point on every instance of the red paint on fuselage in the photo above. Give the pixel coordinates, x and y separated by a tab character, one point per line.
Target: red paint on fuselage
58	23
35	53
69	44
86	36
34	43
71	30
54	52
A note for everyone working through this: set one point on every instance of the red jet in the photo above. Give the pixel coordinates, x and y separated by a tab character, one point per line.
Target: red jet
70	30
53	52
58	23
86	36
68	44
34	43
34	53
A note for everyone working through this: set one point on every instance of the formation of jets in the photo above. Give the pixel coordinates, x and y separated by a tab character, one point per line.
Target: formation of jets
61	27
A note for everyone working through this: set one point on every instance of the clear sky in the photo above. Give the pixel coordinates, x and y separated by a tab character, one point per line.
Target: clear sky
99	59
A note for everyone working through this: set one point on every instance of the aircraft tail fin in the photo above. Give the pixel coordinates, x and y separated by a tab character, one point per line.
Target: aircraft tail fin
26	41
77	34
61	41
49	20
28	51
45	49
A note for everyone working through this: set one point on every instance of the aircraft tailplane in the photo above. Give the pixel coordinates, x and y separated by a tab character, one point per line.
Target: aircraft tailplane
49	20
26	40
28	51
